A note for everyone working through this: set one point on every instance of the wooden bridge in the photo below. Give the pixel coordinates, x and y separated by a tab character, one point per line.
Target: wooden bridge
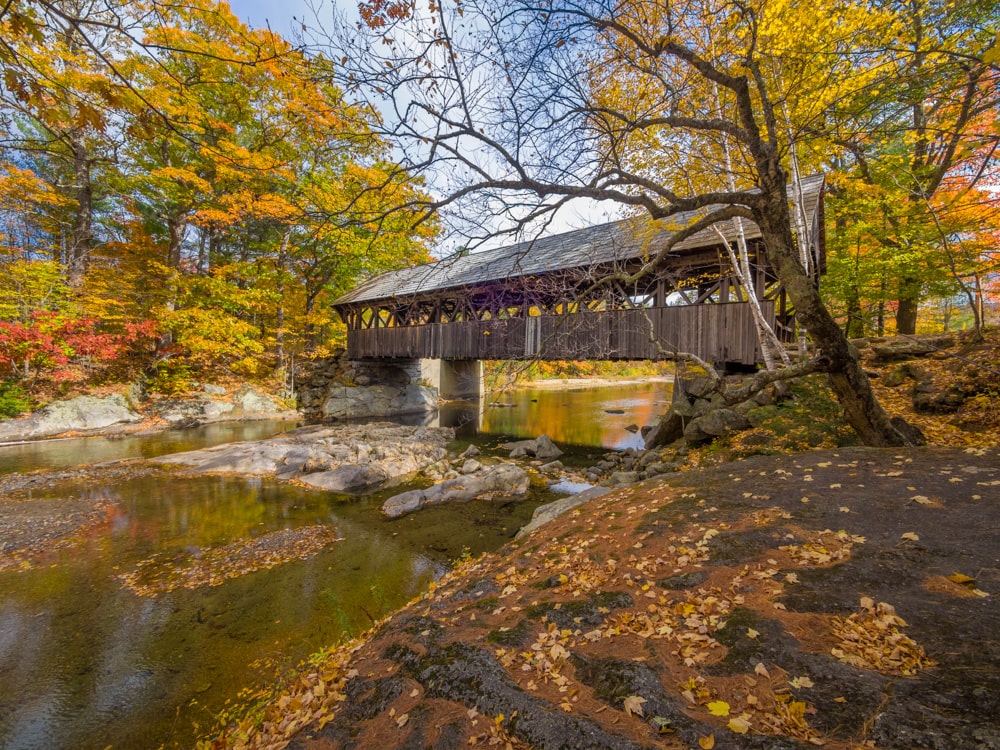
539	299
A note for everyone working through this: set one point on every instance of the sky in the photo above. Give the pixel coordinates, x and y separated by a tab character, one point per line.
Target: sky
284	16
279	14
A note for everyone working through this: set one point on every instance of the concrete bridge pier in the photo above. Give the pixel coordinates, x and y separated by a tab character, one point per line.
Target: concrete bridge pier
454	378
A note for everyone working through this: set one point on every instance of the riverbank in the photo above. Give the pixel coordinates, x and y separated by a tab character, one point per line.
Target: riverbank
844	598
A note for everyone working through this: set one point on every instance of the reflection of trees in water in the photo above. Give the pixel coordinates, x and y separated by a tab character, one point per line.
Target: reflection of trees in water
575	417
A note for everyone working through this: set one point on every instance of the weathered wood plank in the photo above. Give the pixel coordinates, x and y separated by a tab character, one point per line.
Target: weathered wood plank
715	333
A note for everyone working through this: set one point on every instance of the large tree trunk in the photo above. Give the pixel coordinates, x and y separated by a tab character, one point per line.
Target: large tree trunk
847	378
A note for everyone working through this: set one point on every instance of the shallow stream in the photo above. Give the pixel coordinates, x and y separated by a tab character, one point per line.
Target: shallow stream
86	663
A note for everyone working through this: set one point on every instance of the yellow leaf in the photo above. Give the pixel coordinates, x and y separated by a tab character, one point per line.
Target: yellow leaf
961	579
911	536
706	743
401	720
761	669
633	705
739	725
751	633
718	708
801	682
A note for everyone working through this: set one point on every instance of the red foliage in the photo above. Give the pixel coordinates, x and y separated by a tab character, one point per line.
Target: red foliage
50	342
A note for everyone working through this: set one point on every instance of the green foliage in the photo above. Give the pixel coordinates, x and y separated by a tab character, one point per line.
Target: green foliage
171	377
13	399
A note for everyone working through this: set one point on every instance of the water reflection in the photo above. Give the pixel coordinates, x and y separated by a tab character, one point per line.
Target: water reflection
60	453
582	416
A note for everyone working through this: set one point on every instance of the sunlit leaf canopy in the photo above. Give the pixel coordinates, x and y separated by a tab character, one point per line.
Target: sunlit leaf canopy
171	164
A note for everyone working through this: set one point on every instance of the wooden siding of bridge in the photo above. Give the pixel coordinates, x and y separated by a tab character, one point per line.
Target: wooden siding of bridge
716	333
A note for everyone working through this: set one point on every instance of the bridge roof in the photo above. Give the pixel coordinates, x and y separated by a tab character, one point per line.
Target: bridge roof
616	241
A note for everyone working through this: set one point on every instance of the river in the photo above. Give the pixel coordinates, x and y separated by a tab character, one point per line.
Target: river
86	663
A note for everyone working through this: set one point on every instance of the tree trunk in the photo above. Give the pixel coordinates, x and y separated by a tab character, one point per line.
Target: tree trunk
847	378
855	326
82	240
906	309
176	228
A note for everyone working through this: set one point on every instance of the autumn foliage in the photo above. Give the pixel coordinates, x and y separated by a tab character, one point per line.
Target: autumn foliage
180	193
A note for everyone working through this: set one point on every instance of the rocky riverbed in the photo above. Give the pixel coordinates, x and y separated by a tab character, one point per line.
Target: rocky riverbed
842	598
342	458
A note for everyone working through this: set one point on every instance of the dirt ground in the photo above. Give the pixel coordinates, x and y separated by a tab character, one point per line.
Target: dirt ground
840	598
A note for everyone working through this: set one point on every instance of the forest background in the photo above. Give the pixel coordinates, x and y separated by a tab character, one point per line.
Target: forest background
181	196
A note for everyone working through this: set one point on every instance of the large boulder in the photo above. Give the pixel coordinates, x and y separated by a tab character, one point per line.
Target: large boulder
541	447
347	459
715	424
253	402
80	414
502	480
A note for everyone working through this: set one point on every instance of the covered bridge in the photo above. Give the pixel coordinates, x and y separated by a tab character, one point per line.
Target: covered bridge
538	299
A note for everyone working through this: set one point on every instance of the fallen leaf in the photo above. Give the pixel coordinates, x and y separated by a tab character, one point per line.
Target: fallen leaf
633	705
961	579
706	743
718	708
739	725
911	536
761	670
751	633
922	499
801	682
401	720
844	509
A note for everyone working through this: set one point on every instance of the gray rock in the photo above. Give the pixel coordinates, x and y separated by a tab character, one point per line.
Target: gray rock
545	448
715	424
668	429
252	401
213	390
83	413
519	452
552	467
471	466
348	458
403	503
545	513
663	467
347	479
217	410
619	478
471	452
908	348
501	479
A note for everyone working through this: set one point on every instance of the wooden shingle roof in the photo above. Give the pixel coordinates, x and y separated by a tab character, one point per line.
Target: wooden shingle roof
612	242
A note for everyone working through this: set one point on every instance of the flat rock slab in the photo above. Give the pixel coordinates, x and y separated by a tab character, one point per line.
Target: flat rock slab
502	480
845	598
342	458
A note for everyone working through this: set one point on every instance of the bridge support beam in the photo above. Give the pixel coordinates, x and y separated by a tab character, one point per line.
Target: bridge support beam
454	378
